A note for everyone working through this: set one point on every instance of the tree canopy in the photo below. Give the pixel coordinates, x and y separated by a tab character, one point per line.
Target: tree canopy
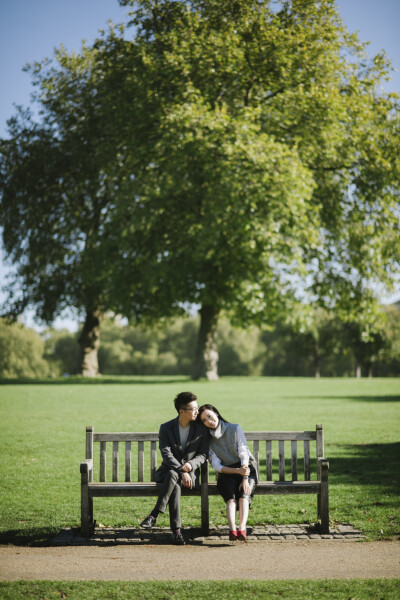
239	156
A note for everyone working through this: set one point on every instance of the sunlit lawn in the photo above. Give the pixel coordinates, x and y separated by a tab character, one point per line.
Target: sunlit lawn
377	589
42	432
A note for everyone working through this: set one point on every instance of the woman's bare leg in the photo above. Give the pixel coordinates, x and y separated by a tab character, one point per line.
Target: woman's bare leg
231	514
243	513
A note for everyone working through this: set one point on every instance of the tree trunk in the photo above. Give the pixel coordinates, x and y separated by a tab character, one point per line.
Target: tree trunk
358	370
206	359
89	341
317	360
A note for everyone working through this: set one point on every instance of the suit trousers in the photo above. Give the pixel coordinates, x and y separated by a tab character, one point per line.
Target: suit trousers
170	495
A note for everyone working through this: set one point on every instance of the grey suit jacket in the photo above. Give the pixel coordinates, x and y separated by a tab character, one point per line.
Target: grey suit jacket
173	456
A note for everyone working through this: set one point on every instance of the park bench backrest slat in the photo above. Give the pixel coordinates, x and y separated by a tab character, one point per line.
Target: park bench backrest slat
102	461
254	437
153	460
281	460
294	459
306	460
115	462
269	460
128	461
140	461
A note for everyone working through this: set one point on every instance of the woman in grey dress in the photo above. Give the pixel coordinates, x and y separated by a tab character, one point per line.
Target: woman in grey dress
235	466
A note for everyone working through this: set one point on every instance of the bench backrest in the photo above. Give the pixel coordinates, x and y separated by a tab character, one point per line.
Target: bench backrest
255	437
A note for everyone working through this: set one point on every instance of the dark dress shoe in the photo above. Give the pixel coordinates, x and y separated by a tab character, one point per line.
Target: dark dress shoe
148	523
177	538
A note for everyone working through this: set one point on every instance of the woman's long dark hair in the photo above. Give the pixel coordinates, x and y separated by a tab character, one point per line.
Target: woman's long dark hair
210	407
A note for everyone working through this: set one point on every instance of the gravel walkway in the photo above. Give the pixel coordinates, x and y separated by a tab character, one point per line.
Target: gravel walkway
290	552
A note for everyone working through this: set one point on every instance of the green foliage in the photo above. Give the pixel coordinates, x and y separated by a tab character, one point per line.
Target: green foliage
61	351
240	155
325	347
21	352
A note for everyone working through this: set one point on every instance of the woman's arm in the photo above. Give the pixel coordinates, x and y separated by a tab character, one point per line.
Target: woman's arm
243	470
217	466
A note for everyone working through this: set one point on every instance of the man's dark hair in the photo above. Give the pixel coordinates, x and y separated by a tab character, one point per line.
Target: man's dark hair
183	399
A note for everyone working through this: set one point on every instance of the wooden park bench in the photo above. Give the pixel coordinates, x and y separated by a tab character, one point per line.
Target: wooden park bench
288	481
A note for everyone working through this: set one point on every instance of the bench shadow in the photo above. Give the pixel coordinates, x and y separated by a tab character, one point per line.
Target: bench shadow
27	537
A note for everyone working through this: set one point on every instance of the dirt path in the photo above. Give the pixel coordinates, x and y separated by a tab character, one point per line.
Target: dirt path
262	560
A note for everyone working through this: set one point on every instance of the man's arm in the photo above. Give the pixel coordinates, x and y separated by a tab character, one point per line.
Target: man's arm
165	449
202	453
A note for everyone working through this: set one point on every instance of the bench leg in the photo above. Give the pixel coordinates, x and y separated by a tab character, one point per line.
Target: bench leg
205	516
324	497
87	523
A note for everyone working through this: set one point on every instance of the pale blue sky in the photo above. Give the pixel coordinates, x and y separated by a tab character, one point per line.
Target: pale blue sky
31	29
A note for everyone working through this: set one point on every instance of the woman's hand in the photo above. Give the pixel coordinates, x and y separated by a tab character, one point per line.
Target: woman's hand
244	471
245	486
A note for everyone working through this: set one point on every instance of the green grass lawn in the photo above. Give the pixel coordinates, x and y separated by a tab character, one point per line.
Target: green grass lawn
42	433
356	589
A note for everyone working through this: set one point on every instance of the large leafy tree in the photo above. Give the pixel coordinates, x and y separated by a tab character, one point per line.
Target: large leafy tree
273	155
67	197
58	177
242	158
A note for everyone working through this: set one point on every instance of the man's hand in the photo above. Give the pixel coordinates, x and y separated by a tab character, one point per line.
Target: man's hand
187	481
186	468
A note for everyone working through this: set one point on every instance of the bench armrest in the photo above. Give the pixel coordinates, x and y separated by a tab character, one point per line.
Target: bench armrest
323	464
86	466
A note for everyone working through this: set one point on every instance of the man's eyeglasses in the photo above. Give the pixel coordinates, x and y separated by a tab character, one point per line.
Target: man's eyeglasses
196	409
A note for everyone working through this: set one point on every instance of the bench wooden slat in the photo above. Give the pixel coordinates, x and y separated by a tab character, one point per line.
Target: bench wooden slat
294	460
280	435
133	489
140	461
306	460
281	460
153	460
269	460
103	463
126	437
256	453
128	461
123	489
152	436
115	462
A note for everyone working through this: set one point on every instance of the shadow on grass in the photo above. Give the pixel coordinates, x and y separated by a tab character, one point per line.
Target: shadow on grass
370	464
28	537
383	398
96	380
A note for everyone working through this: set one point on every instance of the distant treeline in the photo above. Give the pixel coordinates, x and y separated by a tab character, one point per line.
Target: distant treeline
329	348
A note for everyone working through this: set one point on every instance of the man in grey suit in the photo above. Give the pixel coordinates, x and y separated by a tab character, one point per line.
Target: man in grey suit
184	447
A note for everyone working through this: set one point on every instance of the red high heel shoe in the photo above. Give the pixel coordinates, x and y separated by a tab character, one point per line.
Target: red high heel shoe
233	536
242	535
